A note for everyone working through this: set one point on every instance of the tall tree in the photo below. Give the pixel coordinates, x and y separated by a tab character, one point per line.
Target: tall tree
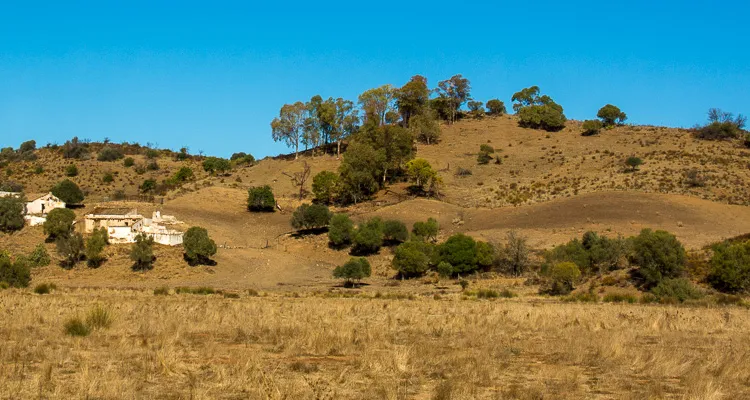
412	98
456	91
379	104
289	125
346	122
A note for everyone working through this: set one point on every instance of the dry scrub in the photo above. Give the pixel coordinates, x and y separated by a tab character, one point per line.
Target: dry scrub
312	347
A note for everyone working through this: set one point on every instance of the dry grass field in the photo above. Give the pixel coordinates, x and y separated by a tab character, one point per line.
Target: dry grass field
318	346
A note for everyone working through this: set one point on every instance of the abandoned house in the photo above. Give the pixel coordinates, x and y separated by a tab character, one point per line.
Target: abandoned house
35	212
124	224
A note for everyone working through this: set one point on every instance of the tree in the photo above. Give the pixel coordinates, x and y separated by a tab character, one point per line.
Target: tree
485	255
548	117
346	122
393	144
184	174
563	277
216	164
426	231
721	126
514	256
456	91
476	108
142	252
39	257
199	247
242	158
299	179
378	103
324	187
359	172
412	99
591	127
311	216
95	245
425	127
318	122
71	170
289	125
109	153
633	162
14	274
73	148
420	173
730	268
71	248
611	115
368	238
260	198
148	186
658	255
27	146
495	107
59	223
412	258
11	214
353	270
340	230
395	231
68	192
460	251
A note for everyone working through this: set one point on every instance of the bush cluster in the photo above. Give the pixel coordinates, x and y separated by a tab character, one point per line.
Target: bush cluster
353	270
311	216
14	273
260	199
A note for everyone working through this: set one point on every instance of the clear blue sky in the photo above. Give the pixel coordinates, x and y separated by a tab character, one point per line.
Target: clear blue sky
212	75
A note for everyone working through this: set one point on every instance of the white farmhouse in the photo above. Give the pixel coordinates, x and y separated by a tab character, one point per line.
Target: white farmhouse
44	204
124	224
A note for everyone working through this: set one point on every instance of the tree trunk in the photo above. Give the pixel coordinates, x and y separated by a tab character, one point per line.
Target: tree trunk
338	149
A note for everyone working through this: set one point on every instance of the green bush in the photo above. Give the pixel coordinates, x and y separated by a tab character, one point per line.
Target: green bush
216	164
39	257
151	153
633	162
679	289
128	162
495	107
325	186
730	268
59	223
426	230
14	273
485	255
142	252
413	258
563	277
658	256
95	245
460	251
353	270
611	115
71	248
368	237
44	288
68	192
483	158
76	327
340	230
183	175
148	186
38	170
485	148
199	247
593	254
311	216
395	231
108	178
548	117
445	269
110	154
27	146
260	198
591	127
11	214
71	170
719	131
242	158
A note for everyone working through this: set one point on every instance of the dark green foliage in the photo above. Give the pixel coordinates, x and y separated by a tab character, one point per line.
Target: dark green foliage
548	117
310	216
242	158
151	154
562	278
368	237
44	288
591	127
455	92
260	198
730	267
199	247
485	148
10	186
59	223
68	192
108	178
496	107
182	155
676	289
721	126
633	162
485	154
426	230
658	255
444	269
476	108
38	170
11	214
395	231
128	162
74	149
14	273
71	170
747	140
70	248
611	115
413	258
183	175
27	146
359	171
340	230
412	99
216	164
76	327
152	166
95	245
325	186
460	251
110	154
425	127
39	257
148	186
593	254
353	270
485	255
142	252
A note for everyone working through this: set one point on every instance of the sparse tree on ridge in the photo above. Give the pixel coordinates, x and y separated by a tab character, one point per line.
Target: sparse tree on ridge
289	125
345	123
611	115
379	103
412	99
495	107
456	91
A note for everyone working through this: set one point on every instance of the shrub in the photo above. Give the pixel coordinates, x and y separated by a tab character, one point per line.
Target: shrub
128	162
76	327
242	158
340	230
353	270
38	170
730	268
460	251
70	248
39	257
260	198
483	158
151	153
658	255
611	115
324	186
110	154
14	273
10	186
563	277
548	117
420	173
620	298
679	289
71	170
68	192
148	186
591	127
183	175
99	318
426	230
395	231
746	140
310	216
216	164
152	166
413	258
593	254
485	148
719	131
95	246
142	252
27	146
513	257
140	169
633	162
11	214
368	237
161	291
44	288
199	247
495	107
485	255
204	290
74	149
445	269
59	223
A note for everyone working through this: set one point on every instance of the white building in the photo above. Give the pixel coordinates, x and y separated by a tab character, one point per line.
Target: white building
44	204
124	224
10	194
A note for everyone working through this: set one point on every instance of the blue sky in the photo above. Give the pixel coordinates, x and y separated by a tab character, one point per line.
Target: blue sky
213	75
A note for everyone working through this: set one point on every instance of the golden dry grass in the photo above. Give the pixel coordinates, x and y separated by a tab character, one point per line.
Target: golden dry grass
319	347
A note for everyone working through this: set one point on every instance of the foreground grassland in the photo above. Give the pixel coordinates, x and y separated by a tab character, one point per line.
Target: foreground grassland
277	346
